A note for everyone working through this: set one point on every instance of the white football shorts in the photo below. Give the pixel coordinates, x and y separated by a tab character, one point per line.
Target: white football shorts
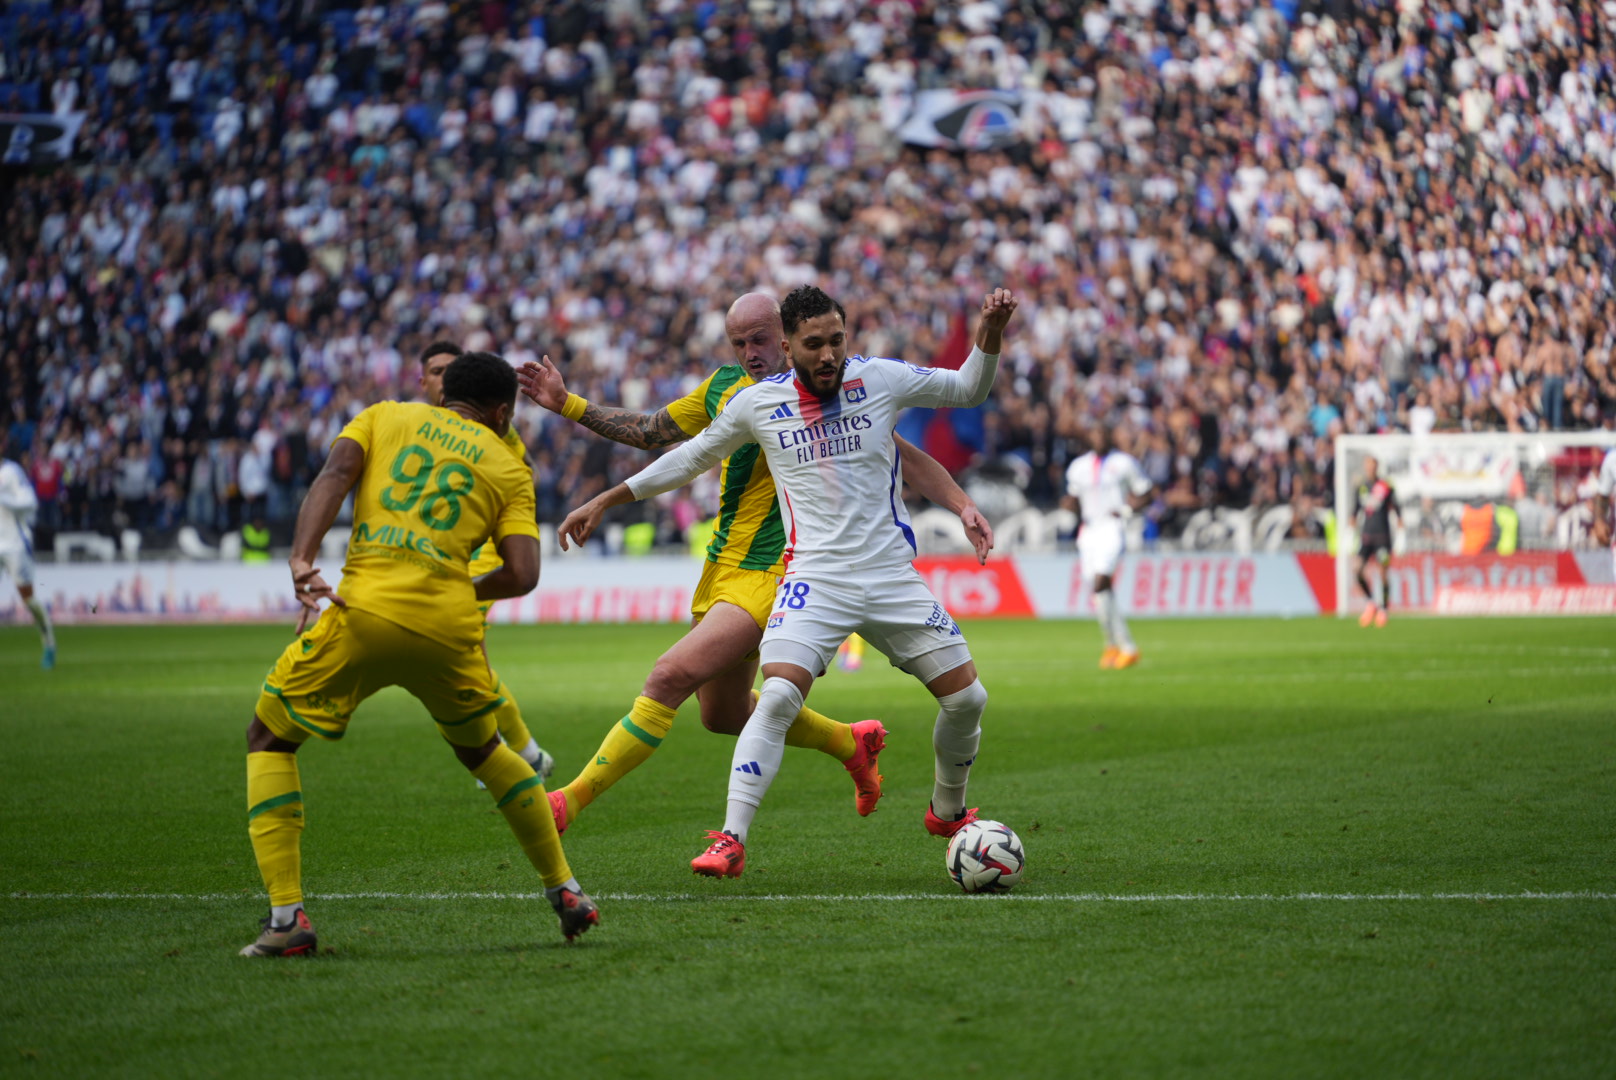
895	612
18	563
1099	546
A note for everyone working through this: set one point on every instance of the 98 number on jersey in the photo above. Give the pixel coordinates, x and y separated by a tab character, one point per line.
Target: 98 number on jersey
413	468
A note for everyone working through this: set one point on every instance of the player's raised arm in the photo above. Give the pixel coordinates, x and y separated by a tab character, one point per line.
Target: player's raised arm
315	517
543	385
922	472
997	307
970	385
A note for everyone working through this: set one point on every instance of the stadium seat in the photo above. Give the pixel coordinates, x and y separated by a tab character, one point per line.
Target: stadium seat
938	532
89	544
1027	530
190	543
230	547
129	542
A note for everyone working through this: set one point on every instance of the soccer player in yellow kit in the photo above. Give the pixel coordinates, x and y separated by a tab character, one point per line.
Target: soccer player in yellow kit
430	485
435	358
717	659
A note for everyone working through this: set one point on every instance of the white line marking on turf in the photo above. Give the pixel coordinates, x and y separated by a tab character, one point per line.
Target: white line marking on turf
1072	898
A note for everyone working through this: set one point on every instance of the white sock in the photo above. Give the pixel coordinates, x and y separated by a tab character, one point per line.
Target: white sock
1119	626
1105	604
530	752
955	740
758	750
281	914
41	620
553	891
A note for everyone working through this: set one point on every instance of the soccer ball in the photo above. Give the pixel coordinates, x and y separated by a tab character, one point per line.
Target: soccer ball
986	856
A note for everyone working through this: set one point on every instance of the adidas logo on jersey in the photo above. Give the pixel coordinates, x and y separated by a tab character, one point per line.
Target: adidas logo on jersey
750	767
782	413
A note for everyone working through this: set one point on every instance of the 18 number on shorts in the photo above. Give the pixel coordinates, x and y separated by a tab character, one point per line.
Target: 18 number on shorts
793	595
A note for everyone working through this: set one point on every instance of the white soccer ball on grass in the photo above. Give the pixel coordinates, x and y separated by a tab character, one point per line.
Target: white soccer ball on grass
986	856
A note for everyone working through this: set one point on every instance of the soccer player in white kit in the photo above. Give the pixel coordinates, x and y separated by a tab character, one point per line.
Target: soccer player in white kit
1604	488
1106	486
17	505
826	430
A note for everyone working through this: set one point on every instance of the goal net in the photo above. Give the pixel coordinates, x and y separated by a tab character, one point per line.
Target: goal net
1490	523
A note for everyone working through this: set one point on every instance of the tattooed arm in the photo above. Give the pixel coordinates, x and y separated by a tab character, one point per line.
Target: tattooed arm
542	384
648	431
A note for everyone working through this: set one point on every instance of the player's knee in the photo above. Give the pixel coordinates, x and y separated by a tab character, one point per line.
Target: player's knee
778	703
472	757
969	702
260	739
671	682
1102	583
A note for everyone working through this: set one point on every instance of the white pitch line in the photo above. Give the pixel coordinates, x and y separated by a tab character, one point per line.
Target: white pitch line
1070	898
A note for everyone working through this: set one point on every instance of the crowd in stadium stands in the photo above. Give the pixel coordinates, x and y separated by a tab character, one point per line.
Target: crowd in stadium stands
1238	227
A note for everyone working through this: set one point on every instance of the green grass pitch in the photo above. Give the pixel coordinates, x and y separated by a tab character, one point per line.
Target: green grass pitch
1275	848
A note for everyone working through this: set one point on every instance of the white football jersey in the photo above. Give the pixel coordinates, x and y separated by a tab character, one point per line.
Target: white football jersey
1102	484
17	504
836	469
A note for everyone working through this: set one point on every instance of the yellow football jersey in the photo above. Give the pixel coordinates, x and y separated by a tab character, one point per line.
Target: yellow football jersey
486	558
434	488
749	533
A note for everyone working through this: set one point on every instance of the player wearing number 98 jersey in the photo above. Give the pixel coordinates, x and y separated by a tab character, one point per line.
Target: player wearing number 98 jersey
430	485
435	360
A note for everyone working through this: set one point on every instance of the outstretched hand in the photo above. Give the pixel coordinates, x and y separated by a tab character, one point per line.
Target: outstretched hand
581	524
542	384
978	531
310	588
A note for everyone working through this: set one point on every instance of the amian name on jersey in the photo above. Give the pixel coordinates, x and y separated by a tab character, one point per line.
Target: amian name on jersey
432	433
827	438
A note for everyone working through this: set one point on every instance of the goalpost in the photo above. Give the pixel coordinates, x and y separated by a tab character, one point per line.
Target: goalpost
1503	499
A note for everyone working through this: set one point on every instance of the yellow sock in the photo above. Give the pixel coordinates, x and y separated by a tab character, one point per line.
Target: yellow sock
631	741
815	731
519	795
275	823
508	718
